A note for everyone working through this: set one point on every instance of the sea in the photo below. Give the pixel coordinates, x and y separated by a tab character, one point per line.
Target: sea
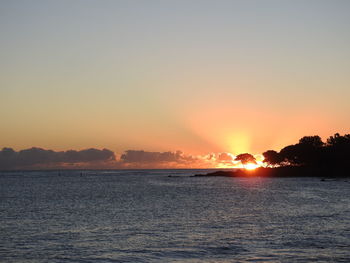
170	216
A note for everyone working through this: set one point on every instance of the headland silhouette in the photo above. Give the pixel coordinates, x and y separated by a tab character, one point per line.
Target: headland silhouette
310	157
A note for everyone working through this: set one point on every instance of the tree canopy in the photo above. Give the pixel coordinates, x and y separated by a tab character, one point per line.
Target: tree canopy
272	158
312	151
245	158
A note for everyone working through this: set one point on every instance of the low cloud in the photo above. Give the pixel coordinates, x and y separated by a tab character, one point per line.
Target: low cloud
178	159
40	158
141	158
225	157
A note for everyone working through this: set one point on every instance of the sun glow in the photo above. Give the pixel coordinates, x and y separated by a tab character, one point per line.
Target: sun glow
251	166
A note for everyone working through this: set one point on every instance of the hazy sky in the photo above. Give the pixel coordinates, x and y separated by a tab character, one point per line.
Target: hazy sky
197	76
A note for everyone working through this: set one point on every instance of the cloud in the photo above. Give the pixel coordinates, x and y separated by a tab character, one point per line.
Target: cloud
40	158
225	157
141	158
132	156
177	159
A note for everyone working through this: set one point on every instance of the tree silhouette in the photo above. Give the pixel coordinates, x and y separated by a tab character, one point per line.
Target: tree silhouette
310	157
337	150
272	158
314	141
291	155
338	140
245	158
309	151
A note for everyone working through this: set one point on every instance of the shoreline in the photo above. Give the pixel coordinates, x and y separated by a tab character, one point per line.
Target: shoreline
283	172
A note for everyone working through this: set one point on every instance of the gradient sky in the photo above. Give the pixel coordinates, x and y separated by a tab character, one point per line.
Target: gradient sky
197	76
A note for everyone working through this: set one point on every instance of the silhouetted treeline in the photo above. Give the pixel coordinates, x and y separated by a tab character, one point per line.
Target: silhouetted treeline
312	151
310	157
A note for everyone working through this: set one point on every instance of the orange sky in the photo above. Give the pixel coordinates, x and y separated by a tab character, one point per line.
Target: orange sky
220	77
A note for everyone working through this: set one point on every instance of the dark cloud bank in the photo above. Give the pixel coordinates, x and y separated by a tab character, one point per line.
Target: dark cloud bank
132	156
38	158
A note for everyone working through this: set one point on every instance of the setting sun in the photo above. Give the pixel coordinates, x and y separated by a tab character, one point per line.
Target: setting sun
251	166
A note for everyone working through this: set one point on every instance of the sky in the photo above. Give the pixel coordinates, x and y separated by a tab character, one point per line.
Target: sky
200	77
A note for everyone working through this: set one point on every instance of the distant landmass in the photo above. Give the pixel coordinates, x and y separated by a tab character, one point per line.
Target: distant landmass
290	171
310	157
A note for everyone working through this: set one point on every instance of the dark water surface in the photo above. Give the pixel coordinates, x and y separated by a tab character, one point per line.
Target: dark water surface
146	216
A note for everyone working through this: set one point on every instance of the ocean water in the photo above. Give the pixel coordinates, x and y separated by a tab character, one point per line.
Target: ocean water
146	216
